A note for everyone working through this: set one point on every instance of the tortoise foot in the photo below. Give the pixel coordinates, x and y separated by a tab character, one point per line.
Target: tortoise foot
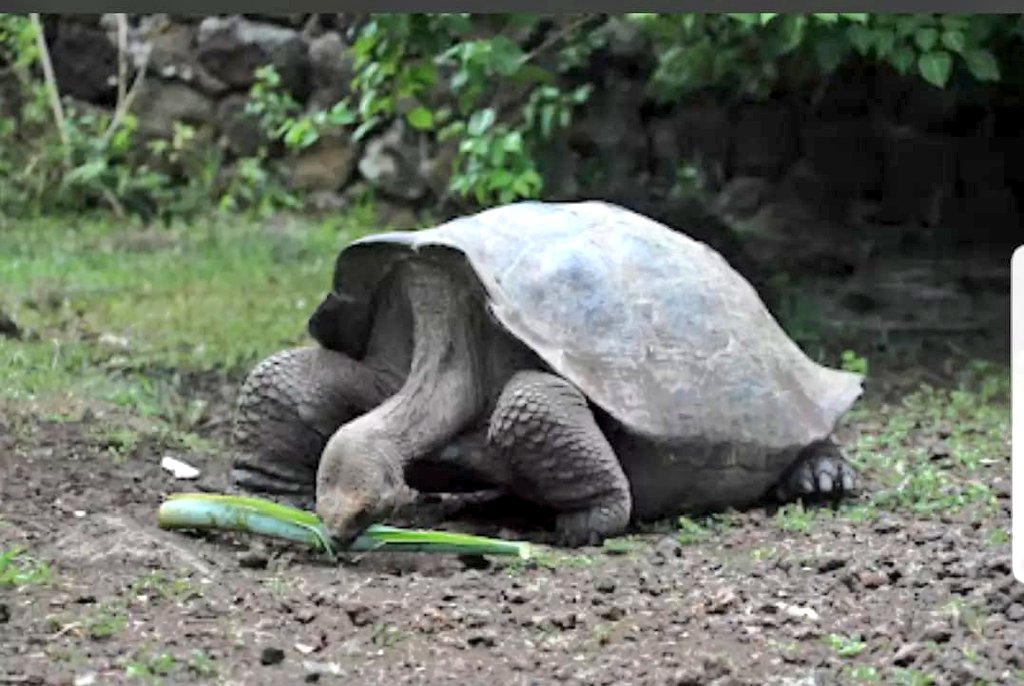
821	472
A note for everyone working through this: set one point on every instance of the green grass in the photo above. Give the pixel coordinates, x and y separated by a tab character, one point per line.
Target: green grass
211	294
696	530
846	646
18	569
120	316
934	451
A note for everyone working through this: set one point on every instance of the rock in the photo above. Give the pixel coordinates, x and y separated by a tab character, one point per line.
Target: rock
331	70
914	103
326	202
564	620
606	585
608	128
872	579
253	559
799	612
5	613
240	132
396	216
232	48
171	52
475	561
327	165
436	167
624	38
986	202
920	172
84	63
703	128
295	19
722	600
391	163
741	197
8	329
159	104
906	654
1015	613
360	614
764	142
612	613
314	669
847	154
831	564
484	638
937	631
271	656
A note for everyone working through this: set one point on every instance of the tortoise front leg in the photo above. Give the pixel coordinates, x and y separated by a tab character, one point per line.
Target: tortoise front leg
287	409
559	458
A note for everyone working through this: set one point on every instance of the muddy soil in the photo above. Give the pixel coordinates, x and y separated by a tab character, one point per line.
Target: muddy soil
894	600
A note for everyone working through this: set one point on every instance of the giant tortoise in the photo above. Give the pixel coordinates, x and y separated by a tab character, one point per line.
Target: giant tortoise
576	355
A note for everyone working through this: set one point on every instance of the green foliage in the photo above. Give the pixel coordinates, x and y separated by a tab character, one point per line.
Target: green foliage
18	569
451	74
703	528
99	159
496	89
753	54
846	646
283	119
852	362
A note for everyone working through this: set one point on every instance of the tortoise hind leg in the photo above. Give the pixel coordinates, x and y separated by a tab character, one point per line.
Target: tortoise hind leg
819	472
558	457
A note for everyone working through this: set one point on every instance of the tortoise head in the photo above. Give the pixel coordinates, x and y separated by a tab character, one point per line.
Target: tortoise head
358	483
341	323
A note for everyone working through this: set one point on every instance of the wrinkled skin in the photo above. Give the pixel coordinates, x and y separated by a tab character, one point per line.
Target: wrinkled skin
459	405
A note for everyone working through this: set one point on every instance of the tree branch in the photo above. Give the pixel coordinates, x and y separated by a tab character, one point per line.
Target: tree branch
50	80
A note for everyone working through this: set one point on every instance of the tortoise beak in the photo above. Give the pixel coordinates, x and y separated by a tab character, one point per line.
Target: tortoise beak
345	517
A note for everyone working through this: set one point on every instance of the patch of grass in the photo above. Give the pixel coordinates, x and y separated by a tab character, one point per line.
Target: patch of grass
19	569
162	585
997	537
149	667
912	677
201	664
385	635
796	518
120	442
695	530
547	558
97	297
623	545
967	616
933	452
863	674
123	318
105	621
846	646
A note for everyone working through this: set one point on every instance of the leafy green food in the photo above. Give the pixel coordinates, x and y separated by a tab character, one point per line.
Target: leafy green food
266	518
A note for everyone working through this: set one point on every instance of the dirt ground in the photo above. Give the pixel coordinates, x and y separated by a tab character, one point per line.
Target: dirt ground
909	583
892	598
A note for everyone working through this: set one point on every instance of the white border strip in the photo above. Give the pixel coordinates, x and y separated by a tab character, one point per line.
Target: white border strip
1017	408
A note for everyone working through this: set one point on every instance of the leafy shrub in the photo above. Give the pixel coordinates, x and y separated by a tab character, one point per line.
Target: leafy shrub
496	88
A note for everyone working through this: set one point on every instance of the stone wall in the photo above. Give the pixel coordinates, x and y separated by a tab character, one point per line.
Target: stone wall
868	144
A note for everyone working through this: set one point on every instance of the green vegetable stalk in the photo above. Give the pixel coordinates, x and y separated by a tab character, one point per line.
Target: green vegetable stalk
266	518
